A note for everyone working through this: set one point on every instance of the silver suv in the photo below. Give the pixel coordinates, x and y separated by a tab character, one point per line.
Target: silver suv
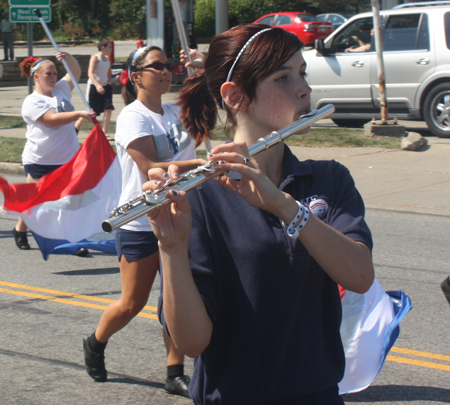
342	69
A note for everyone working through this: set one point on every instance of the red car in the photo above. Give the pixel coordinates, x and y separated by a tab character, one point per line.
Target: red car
304	25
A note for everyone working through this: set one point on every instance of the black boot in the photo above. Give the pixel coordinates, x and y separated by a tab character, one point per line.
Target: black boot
445	285
21	240
94	361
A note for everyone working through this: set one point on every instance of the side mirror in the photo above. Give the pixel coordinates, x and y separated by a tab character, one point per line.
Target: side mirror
318	45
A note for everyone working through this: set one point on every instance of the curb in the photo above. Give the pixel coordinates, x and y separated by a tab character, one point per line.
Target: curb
11	168
24	44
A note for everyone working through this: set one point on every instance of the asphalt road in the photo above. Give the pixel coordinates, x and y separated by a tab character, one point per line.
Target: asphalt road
43	321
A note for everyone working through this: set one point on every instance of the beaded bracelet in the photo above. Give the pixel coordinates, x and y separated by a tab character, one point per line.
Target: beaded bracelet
298	222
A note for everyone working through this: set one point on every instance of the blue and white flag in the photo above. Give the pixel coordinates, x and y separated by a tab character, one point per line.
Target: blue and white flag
369	329
64	210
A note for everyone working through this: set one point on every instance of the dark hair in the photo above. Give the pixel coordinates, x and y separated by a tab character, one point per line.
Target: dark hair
27	64
129	92
201	94
102	43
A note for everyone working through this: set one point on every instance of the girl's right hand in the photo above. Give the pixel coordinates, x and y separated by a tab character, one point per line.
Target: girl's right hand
172	223
100	89
88	115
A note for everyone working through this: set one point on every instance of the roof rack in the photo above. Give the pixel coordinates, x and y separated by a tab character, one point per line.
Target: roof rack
422	4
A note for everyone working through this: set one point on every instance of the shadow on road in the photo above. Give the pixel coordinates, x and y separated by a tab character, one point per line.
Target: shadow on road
117	378
392	393
88	272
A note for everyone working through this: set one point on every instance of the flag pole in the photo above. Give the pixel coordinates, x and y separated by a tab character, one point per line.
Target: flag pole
181	32
52	40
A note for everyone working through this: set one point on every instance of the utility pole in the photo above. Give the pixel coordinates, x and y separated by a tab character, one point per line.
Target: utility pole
221	16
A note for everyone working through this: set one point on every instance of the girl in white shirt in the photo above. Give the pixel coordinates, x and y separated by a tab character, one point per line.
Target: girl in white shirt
50	116
149	134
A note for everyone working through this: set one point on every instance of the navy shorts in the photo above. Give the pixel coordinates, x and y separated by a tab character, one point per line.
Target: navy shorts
101	102
135	245
38	171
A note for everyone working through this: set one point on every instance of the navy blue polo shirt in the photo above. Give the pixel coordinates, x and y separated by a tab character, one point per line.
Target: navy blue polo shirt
276	314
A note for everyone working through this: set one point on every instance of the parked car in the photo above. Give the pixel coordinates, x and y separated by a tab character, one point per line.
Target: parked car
416	55
337	19
304	25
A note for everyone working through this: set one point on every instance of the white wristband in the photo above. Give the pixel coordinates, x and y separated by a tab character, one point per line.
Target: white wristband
298	222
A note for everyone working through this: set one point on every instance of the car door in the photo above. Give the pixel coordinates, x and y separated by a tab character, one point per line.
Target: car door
408	60
339	77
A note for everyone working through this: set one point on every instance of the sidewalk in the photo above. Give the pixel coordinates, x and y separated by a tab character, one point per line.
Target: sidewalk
395	180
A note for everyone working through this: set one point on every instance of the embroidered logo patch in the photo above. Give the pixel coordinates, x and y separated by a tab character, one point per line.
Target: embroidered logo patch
318	208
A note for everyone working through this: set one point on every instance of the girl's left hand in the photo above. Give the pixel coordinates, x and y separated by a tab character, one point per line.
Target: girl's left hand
197	59
255	187
60	56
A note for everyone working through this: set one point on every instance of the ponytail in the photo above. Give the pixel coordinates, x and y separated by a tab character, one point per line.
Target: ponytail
129	92
26	65
198	107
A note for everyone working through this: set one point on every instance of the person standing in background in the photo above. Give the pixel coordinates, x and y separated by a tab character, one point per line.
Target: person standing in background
99	91
8	29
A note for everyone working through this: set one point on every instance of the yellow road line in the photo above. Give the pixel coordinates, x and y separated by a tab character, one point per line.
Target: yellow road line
414	362
397	359
66	294
421	354
70	302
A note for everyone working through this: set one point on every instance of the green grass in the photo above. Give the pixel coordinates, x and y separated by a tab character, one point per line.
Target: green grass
331	137
12	122
11	148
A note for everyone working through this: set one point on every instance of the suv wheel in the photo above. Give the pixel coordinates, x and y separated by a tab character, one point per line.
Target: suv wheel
347	123
437	110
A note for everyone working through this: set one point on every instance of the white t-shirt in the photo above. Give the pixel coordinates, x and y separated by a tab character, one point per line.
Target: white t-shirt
49	145
101	72
172	143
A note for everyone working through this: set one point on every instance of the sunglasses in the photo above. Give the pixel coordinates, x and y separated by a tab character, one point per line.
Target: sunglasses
157	66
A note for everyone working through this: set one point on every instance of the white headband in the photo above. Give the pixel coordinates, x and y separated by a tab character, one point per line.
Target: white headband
230	73
37	64
134	56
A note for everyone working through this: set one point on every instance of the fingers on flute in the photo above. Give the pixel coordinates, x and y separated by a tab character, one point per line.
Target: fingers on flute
156	177
173	172
231	158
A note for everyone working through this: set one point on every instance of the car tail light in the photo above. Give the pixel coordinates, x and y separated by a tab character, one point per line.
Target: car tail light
308	27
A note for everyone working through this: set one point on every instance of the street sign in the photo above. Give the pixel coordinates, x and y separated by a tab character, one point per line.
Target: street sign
29	3
26	15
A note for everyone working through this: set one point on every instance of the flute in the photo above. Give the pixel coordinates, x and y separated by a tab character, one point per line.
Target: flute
149	201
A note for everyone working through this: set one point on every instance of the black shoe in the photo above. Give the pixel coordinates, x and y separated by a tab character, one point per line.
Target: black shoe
445	285
21	240
4	60
82	252
95	362
178	385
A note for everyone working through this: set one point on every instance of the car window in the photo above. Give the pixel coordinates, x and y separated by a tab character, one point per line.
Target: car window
336	19
360	29
447	29
283	20
321	17
267	20
423	42
307	17
406	32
